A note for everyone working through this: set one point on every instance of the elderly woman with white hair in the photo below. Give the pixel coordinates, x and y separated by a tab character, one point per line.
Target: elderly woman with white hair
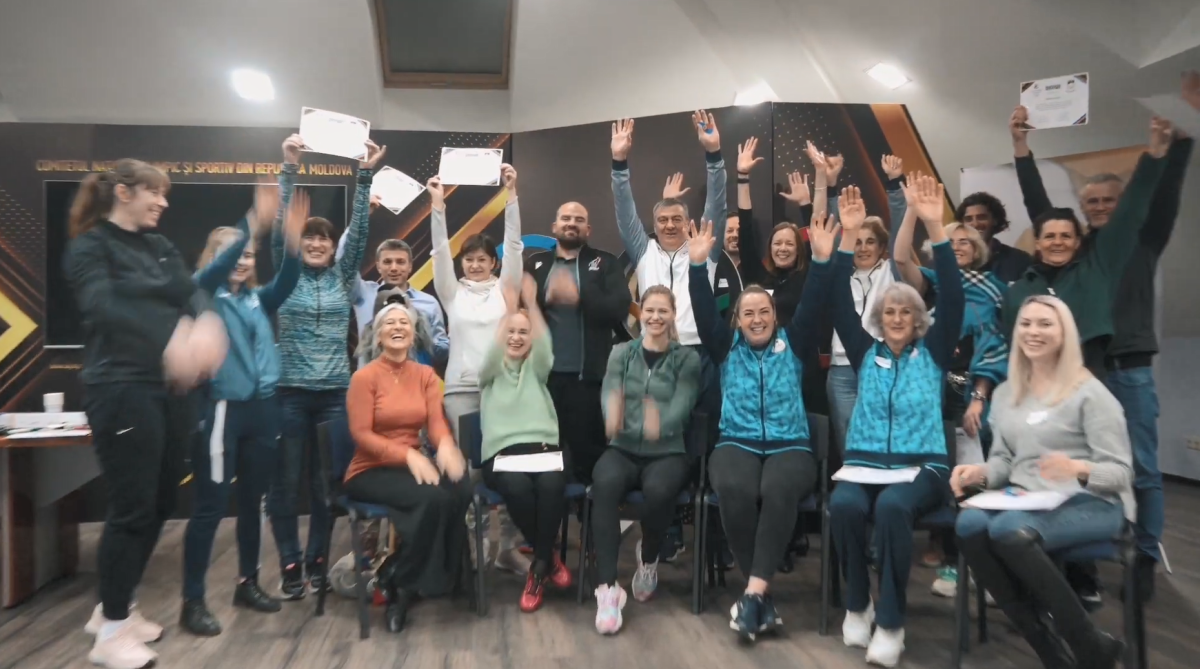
896	425
390	401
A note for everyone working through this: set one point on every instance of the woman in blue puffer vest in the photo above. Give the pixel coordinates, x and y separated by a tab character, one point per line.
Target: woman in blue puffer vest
241	416
762	457
896	424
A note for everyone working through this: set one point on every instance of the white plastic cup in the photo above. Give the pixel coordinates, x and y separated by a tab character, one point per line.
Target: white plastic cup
52	402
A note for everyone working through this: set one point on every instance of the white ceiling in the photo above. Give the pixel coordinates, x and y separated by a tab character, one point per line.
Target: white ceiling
581	61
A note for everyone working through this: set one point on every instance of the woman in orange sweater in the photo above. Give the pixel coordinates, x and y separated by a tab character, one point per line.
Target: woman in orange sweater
389	402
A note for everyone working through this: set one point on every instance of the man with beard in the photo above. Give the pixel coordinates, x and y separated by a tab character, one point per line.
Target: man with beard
583	293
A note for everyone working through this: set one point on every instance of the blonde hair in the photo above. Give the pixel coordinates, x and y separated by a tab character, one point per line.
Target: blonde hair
672	331
901	293
879	230
218	240
1069	371
982	252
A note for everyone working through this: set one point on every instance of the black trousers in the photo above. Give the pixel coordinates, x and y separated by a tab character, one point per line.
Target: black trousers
536	503
616	474
429	521
141	433
580	421
760	499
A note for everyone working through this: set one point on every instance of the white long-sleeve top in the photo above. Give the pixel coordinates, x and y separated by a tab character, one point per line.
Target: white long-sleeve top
866	285
474	308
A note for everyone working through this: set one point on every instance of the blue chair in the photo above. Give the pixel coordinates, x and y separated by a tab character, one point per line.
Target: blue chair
818	430
941	519
1122	551
471	433
336	448
696	443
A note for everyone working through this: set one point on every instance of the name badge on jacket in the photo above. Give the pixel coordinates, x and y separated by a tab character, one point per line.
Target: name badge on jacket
883	362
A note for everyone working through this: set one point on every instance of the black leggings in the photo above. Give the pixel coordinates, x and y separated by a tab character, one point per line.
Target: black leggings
760	499
536	504
617	473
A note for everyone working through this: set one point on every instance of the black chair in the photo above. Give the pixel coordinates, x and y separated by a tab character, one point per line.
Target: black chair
818	431
696	442
336	448
471	433
941	519
1122	551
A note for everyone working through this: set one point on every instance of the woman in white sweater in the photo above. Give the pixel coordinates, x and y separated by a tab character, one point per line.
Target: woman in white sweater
475	307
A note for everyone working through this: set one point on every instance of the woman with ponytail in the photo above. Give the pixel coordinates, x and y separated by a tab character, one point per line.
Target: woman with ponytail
150	336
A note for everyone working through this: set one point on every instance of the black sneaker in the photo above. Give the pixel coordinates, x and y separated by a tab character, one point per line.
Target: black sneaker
248	595
317	577
197	619
745	616
769	619
291	584
1144	574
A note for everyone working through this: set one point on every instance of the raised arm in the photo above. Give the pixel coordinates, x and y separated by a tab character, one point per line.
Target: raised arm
1116	241
1037	202
629	226
714	202
804	330
846	319
673	419
541	351
444	280
715	335
901	249
751	248
893	169
356	246
287	183
798	192
820	201
512	269
273	295
1164	208
214	274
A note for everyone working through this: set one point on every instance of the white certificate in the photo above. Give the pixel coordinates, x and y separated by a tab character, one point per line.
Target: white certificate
471	167
1005	500
333	133
396	190
873	476
1175	110
532	463
1057	102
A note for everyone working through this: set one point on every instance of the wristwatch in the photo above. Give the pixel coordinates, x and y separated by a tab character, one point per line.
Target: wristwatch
979	395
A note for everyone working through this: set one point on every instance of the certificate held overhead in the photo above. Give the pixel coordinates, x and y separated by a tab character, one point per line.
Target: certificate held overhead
1057	102
470	167
396	190
334	134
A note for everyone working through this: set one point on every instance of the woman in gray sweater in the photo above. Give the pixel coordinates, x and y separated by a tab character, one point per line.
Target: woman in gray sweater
1057	428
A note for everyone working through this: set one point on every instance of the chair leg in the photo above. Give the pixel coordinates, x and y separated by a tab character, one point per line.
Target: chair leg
328	543
480	560
826	574
562	551
962	613
981	612
699	558
585	547
1134	621
360	583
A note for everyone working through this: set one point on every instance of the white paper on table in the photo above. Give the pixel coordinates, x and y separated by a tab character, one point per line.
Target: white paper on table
1174	109
471	167
532	463
873	476
396	190
50	434
1002	500
1057	102
334	134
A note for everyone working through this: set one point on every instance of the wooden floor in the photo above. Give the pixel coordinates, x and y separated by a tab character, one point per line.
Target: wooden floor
48	631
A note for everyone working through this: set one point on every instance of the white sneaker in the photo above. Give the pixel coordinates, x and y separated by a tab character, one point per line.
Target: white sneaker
143	630
512	560
122	650
645	580
856	628
609	602
886	647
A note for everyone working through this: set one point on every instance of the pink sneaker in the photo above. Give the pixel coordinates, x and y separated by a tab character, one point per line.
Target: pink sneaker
143	630
609	602
122	650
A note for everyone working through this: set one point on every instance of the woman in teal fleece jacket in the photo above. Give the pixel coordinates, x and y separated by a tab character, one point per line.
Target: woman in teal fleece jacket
241	415
897	423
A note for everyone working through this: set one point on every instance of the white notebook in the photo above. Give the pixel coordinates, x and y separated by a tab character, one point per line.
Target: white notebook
873	476
1017	500
532	463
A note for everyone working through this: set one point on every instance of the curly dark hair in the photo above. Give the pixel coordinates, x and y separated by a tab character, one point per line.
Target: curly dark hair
992	203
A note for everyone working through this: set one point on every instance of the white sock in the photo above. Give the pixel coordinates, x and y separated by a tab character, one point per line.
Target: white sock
109	628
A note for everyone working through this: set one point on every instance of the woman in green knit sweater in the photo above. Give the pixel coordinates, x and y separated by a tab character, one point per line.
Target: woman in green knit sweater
518	419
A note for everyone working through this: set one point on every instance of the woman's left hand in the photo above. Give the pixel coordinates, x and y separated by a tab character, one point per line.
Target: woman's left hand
1056	466
375	154
973	418
450	461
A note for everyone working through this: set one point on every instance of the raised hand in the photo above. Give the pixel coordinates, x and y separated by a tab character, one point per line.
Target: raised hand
706	130
700	241
852	211
893	166
622	139
295	218
746	160
508	176
798	190
375	154
833	167
817	158
266	207
1018	129
909	186
422	469
292	147
1160	136
674	187
437	194
1191	89
930	202
821	233
376	203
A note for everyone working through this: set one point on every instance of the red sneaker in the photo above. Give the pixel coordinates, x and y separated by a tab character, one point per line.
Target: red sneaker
560	575
531	597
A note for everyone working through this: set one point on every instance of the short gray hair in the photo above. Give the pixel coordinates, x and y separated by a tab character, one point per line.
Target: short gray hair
669	202
1102	178
908	296
394	245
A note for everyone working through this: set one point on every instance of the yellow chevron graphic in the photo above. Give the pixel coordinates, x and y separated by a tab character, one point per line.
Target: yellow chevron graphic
20	326
479	222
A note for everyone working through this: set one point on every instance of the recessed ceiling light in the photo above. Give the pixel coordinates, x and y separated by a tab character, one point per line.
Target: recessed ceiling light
888	75
756	94
253	85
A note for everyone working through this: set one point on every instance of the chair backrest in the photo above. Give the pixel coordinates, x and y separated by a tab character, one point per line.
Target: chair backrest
336	448
818	435
470	435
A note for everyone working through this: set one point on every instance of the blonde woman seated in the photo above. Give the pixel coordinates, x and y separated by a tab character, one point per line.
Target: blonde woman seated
389	402
1057	428
518	418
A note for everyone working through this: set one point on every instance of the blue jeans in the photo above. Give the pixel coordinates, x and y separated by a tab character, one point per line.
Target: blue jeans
842	388
247	434
896	509
301	411
1134	389
1080	520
